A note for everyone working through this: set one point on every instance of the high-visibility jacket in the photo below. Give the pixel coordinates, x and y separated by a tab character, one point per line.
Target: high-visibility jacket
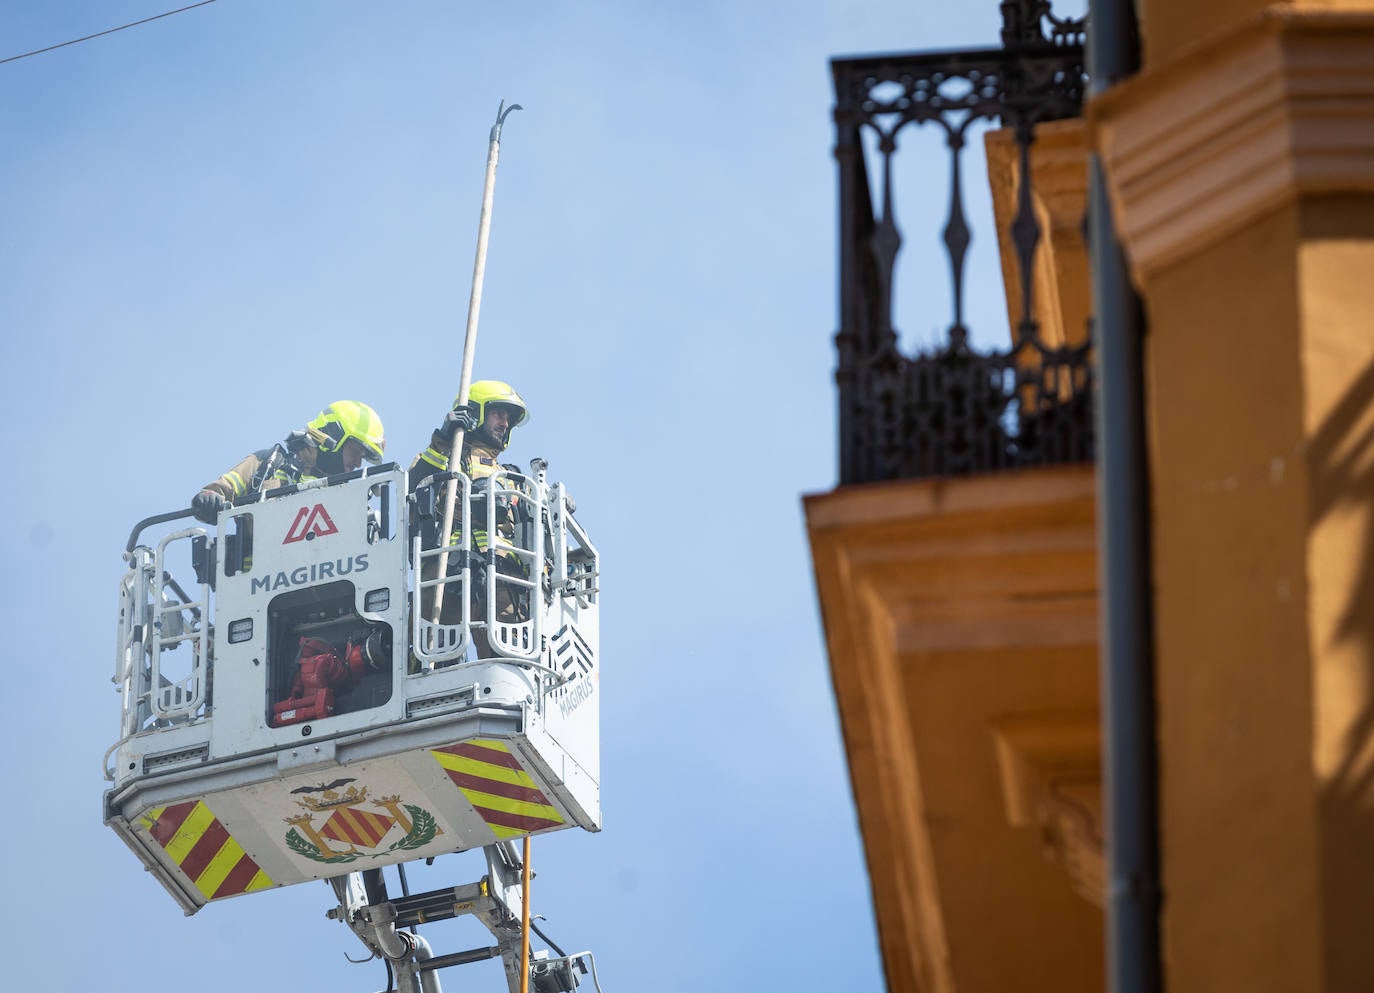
479	461
266	469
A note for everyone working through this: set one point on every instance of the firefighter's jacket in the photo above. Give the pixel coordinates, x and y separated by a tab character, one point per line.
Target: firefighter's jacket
479	461
266	469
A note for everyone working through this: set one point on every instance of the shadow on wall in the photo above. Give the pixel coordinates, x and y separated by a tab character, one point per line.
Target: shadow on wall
1341	457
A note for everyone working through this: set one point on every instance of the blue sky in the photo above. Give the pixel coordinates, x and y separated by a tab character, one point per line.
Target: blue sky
214	224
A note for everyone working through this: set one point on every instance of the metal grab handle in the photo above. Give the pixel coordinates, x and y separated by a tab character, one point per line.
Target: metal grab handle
105	765
147	522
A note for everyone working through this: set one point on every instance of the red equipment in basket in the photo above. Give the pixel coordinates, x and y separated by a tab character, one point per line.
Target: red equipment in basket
319	674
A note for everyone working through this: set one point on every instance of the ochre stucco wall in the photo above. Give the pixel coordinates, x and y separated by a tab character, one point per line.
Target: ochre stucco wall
1238	825
1261	381
1336	271
1242	181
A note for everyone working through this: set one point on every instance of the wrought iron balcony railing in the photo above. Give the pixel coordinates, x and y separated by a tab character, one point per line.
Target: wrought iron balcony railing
953	409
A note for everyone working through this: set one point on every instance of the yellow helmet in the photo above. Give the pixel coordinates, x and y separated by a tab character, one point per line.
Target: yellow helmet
486	391
349	420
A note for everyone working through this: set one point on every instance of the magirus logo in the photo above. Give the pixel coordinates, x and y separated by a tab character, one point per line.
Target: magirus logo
310	522
313	573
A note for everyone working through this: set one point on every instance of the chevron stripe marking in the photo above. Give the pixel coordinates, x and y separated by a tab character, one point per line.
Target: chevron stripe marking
494	786
244	877
189	833
483	750
492	773
164	822
212	877
515	823
511	791
488	803
201	847
205	850
501	792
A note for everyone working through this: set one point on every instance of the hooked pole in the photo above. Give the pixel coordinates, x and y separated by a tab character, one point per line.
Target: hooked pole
479	268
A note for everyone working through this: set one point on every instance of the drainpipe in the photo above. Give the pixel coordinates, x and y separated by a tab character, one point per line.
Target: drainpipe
1123	541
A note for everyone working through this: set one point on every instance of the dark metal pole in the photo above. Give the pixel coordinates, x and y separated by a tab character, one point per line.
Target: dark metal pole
1127	667
458	958
849	155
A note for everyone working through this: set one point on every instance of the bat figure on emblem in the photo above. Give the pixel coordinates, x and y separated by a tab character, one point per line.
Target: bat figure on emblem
322	787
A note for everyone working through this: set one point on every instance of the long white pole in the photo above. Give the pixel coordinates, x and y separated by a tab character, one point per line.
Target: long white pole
479	268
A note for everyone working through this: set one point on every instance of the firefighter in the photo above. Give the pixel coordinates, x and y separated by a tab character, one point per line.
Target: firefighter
493	411
343	435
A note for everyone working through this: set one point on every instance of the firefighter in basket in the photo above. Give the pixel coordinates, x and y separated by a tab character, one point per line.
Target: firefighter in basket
343	435
493	411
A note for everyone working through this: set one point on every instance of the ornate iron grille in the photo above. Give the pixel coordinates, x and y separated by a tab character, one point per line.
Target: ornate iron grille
952	410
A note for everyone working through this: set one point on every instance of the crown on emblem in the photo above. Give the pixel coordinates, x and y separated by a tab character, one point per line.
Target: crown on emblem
333	798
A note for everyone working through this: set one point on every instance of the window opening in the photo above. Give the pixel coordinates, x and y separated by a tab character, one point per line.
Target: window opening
381	513
324	659
238	544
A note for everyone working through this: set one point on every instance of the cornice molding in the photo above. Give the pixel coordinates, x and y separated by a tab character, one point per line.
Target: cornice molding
1000	565
883	772
1050	766
1197	149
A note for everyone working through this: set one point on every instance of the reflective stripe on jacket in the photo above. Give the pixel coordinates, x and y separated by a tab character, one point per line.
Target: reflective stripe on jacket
479	462
247	477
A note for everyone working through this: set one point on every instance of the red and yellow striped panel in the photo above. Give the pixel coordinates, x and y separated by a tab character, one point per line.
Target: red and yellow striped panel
356	827
497	787
201	847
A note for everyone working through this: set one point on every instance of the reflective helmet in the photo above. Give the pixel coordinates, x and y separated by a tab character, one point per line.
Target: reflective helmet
487	391
348	420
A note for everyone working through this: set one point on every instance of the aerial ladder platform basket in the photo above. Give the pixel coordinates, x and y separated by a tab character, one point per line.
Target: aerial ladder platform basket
291	710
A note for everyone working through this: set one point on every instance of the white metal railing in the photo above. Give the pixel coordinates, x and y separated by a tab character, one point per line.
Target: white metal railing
433	642
153	618
174	624
576	562
512	566
131	674
534	553
515	565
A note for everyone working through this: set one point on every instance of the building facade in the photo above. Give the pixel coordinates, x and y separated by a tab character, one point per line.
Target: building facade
1121	577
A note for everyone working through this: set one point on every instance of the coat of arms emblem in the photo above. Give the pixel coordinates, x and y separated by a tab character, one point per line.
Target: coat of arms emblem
355	826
